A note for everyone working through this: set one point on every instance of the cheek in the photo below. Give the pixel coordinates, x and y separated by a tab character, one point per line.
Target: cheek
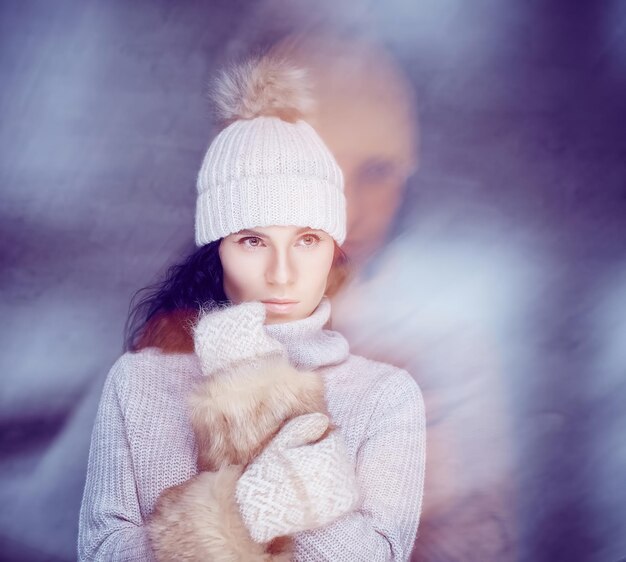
232	286
318	268
239	278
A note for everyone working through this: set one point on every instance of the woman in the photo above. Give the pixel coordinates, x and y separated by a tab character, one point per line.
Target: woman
270	220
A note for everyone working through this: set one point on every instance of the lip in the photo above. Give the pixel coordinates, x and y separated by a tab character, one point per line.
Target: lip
280	306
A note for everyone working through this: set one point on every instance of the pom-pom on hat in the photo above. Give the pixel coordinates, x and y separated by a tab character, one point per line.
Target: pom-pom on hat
268	166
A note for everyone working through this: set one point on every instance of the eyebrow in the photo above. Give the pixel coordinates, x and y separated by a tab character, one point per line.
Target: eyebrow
250	232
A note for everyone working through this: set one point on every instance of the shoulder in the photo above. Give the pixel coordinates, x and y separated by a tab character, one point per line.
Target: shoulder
388	383
151	368
385	374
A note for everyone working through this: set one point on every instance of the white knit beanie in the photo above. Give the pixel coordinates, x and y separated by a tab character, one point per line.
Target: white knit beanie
268	166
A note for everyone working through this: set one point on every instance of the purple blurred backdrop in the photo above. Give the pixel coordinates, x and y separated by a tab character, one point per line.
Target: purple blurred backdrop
522	109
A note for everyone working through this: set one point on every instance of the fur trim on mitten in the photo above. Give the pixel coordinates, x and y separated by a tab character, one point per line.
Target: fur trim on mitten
236	414
200	521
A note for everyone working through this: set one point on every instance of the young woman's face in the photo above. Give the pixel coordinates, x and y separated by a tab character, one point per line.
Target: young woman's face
277	263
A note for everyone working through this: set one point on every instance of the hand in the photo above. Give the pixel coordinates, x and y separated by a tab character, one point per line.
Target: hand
226	336
298	482
249	388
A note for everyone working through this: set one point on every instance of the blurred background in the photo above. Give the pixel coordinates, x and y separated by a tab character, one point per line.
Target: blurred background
484	149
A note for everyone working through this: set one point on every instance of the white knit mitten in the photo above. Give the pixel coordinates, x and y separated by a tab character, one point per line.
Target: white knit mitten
234	334
297	483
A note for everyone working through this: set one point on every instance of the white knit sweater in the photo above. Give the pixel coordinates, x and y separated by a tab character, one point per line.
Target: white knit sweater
142	443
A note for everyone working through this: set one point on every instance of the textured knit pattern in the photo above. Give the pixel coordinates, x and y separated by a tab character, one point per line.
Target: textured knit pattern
264	172
231	335
296	485
142	443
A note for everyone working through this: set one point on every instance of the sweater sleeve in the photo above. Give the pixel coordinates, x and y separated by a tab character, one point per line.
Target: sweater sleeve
390	472
110	524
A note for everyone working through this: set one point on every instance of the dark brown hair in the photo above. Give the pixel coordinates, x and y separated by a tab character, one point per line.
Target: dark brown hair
162	315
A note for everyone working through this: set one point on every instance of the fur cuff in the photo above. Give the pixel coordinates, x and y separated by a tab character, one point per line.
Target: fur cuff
199	521
236	414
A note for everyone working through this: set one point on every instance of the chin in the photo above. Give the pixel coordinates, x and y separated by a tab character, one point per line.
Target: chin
281	318
274	318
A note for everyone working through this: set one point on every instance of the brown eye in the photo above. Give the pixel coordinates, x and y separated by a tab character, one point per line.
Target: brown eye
310	239
250	241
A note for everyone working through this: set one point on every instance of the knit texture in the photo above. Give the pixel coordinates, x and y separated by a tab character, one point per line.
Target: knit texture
264	172
295	484
231	335
142	443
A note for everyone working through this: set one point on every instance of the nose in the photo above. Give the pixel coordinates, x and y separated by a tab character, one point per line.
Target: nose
281	268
